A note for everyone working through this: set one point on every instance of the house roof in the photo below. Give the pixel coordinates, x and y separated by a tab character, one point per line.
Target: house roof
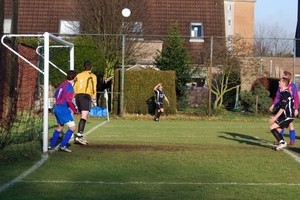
38	16
208	12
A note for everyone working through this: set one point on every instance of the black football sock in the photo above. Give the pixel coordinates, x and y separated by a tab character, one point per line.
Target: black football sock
277	135
158	114
81	125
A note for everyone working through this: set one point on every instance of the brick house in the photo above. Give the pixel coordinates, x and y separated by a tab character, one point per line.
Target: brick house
197	21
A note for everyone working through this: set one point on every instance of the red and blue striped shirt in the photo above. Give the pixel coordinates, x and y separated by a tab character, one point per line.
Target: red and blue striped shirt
64	95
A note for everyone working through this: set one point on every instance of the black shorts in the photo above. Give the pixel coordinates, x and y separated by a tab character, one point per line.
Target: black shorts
284	123
83	102
159	105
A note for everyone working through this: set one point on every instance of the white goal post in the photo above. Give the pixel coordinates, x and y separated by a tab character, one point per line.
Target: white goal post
47	37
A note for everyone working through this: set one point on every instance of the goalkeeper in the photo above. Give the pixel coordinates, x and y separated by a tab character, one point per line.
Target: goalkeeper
85	95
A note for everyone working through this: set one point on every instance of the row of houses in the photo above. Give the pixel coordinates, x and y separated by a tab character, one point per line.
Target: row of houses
197	20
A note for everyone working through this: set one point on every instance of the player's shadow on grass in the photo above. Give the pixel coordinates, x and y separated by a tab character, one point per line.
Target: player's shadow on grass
294	149
246	139
250	140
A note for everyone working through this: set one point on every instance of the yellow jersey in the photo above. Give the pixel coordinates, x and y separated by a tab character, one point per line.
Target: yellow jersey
86	83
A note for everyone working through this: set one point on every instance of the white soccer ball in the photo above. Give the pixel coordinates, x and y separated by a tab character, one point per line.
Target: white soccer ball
126	12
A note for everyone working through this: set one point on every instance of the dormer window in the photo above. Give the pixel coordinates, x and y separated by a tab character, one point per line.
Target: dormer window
69	27
196	32
7	26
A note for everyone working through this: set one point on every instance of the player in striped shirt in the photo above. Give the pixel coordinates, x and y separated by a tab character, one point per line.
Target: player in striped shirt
63	109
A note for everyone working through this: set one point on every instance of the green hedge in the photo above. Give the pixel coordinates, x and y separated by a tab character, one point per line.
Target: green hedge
138	91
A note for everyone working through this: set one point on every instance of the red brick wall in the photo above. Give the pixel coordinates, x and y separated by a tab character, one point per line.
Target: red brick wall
284	64
27	81
26	76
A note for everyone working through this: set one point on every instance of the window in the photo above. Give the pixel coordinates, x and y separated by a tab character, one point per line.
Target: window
69	27
7	26
137	28
229	7
134	29
196	32
229	23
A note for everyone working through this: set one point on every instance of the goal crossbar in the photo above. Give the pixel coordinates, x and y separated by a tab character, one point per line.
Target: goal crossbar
47	36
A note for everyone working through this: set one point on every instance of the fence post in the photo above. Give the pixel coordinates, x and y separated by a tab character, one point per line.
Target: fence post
210	76
122	76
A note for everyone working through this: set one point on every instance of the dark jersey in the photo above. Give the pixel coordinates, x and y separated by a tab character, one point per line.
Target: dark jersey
287	103
159	96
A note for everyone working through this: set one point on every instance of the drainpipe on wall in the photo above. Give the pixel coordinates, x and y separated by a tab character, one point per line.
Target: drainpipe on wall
271	68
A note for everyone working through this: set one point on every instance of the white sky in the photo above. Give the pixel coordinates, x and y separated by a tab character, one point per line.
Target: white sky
282	12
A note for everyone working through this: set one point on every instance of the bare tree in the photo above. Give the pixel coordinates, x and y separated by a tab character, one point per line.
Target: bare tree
229	67
272	40
104	21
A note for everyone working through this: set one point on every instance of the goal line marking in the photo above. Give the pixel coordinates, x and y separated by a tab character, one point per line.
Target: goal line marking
296	158
159	183
38	164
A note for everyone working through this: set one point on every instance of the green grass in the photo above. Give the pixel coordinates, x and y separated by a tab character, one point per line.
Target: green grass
172	159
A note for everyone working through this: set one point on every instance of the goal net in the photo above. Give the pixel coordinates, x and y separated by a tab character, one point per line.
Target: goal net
25	91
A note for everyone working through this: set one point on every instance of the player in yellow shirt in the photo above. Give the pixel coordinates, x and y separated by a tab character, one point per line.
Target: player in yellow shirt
85	89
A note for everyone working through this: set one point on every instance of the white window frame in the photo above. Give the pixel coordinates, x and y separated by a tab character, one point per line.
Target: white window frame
7	26
196	32
69	27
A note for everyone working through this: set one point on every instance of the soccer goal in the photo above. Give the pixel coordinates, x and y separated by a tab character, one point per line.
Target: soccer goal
22	88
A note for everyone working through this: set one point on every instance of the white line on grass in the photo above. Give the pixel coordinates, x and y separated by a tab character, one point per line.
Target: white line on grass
297	158
19	178
38	164
45	157
160	183
91	130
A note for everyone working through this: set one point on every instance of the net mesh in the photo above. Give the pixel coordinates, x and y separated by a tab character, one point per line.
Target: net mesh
21	96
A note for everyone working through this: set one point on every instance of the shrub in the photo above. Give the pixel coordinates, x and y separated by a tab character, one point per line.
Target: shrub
257	101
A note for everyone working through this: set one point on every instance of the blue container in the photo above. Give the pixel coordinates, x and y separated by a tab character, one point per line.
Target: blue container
104	112
96	112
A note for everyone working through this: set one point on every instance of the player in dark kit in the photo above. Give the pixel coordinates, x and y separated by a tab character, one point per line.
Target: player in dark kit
285	115
294	92
159	97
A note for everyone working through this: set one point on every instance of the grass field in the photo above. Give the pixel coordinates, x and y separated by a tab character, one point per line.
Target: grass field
170	159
